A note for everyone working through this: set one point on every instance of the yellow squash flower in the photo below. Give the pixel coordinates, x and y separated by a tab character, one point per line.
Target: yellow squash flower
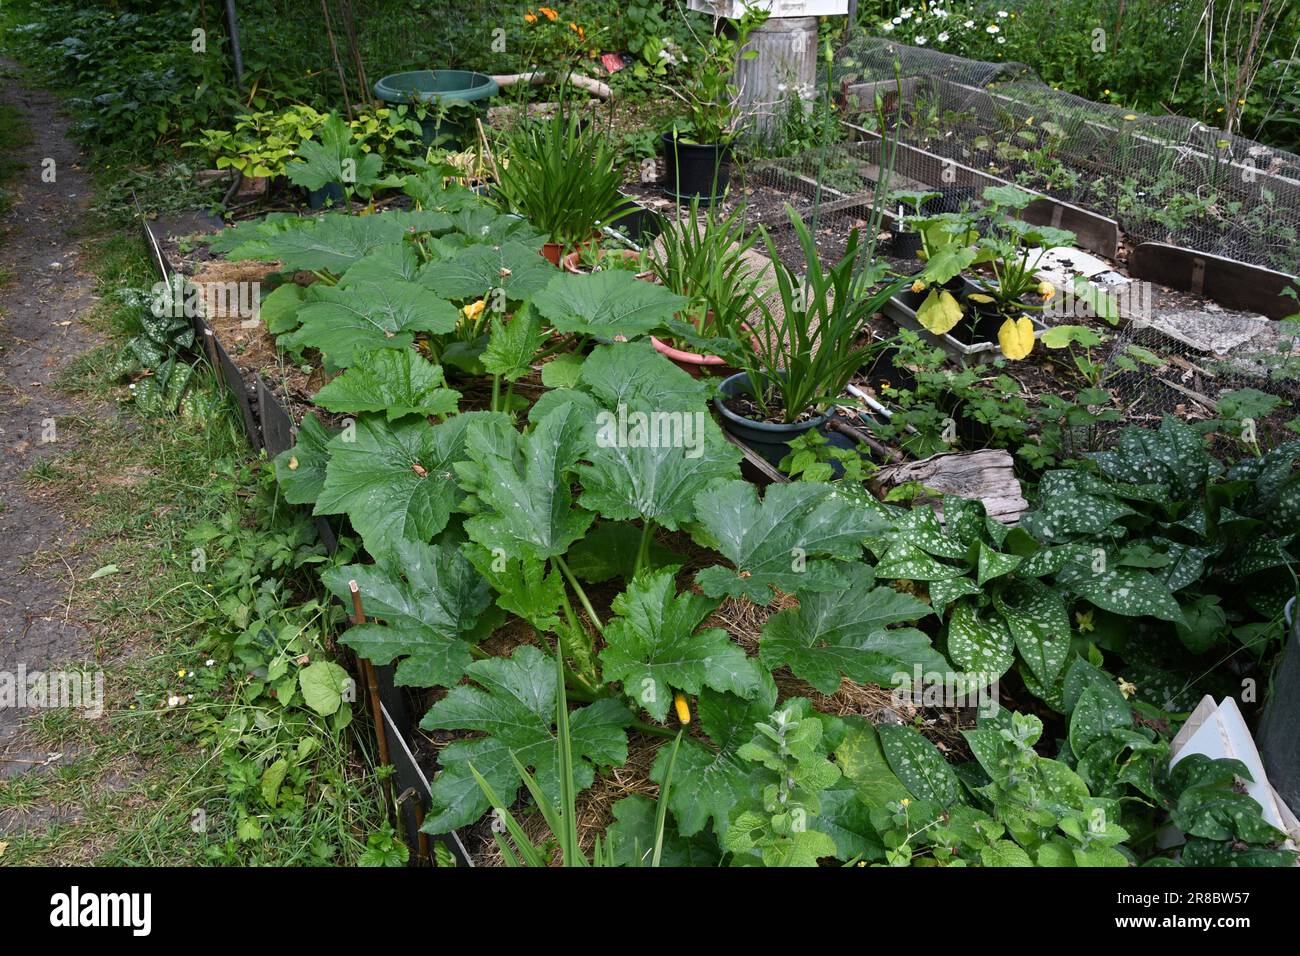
474	309
1016	338
1046	290
918	286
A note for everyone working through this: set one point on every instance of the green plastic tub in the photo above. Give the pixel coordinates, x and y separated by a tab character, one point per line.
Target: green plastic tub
443	87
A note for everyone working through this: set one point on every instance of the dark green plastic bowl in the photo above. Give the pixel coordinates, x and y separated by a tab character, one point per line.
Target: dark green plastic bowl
437	86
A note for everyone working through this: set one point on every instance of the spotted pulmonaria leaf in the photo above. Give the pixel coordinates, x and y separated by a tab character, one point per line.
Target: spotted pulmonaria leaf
848	633
512	703
903	562
779	543
994	564
653	647
1040	624
982	645
1132	592
919	765
396	382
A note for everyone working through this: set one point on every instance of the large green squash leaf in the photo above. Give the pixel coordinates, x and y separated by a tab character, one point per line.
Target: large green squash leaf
777	543
300	470
512	270
514	706
632	838
512	345
709	779
370	315
652	647
331	243
394	480
629	373
394	262
522	484
610	304
430	599
396	382
848	633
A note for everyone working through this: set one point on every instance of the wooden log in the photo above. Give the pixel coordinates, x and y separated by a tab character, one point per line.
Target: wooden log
987	476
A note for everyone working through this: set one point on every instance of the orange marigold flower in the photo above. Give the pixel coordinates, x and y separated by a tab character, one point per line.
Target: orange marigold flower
582	35
549	13
530	17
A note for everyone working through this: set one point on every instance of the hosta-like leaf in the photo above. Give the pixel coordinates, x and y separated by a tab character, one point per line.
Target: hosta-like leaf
848	633
653	648
523	484
514	705
1040	624
394	481
981	644
345	322
777	543
301	469
396	382
430	599
511	270
609	304
919	765
709	779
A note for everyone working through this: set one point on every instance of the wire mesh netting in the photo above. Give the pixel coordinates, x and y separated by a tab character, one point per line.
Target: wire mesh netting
1164	179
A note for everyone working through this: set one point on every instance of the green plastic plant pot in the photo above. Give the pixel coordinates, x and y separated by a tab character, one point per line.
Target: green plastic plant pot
772	441
438	87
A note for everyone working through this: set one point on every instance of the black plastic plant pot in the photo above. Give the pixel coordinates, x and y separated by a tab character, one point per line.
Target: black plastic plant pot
331	194
769	440
639	224
695	170
905	244
951	199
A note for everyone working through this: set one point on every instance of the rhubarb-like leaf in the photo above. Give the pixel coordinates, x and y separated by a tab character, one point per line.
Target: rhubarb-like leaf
398	383
849	633
279	310
779	542
610	304
511	270
522	484
394	480
366	316
301	469
514	706
429	599
708	778
653	648
394	262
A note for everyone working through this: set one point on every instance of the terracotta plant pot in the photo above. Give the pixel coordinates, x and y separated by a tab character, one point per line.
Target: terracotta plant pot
571	261
694	363
552	252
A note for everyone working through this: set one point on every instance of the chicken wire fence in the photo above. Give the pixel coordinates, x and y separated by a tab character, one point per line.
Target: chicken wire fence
1164	179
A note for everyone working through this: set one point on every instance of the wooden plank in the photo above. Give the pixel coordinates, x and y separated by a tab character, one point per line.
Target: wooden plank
1231	283
988	476
1094	232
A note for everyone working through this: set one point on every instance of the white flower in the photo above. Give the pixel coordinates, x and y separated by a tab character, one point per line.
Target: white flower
1002	39
940	12
969	24
942	38
905	13
209	662
921	41
1002	14
887	27
898	20
991	28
